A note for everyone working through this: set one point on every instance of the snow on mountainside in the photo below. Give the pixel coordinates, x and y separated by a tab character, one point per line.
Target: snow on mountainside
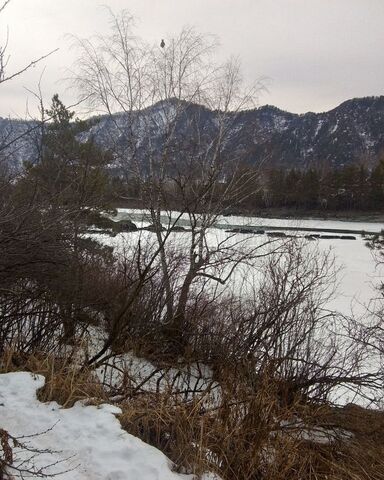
18	141
351	132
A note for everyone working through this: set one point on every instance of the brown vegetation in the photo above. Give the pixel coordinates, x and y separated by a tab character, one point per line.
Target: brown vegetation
241	381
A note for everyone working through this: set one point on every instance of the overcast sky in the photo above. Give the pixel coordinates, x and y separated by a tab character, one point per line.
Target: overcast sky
315	53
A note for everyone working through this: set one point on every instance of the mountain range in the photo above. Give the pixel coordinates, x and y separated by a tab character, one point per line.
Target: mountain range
352	132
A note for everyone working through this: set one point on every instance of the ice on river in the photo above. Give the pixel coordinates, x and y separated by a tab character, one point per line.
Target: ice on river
358	274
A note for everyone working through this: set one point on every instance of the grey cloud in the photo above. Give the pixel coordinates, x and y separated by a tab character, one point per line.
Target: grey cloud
316	52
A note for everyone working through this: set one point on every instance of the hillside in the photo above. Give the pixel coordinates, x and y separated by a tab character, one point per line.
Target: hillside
351	132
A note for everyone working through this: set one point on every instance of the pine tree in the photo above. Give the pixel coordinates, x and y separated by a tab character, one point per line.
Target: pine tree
310	188
72	174
376	186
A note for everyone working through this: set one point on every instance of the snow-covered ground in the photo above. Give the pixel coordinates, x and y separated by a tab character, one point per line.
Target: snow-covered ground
87	442
358	275
81	443
357	278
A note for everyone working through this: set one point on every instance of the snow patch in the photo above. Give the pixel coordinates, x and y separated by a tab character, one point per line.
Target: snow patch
87	441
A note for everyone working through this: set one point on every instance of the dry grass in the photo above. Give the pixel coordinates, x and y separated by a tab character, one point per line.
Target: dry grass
243	439
64	382
240	439
170	426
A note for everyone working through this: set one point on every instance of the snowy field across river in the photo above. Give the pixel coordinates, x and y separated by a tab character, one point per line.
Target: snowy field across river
141	216
305	223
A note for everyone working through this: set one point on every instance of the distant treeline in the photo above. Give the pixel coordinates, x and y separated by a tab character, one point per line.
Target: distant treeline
352	187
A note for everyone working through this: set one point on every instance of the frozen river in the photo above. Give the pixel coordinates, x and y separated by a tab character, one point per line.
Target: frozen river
358	275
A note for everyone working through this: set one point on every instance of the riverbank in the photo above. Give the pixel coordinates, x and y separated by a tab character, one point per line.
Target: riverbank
286	213
341	215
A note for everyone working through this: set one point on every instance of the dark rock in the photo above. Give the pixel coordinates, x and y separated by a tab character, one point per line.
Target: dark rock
97	220
240	230
178	228
154	228
124	226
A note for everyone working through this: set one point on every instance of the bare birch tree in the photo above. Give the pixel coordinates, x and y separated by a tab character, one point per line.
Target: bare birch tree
6	76
174	111
185	172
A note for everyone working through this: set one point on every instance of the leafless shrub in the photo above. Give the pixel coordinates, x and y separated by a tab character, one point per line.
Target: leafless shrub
250	436
18	458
